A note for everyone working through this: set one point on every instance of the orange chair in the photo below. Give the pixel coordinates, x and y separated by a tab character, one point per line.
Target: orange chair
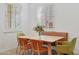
38	48
24	45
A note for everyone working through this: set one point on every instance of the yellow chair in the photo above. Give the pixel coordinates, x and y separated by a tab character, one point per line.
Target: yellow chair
66	47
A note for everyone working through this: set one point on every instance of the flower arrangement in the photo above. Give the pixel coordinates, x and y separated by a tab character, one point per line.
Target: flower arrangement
39	29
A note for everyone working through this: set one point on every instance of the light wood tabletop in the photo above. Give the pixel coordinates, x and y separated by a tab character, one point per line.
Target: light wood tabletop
43	38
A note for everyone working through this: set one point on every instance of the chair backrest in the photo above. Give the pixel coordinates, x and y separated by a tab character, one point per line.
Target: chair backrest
22	41
62	34
36	45
20	34
73	42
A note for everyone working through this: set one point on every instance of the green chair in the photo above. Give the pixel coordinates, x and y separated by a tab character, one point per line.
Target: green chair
66	47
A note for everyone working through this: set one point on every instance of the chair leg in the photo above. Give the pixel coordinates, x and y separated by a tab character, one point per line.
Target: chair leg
32	52
18	50
71	53
28	51
24	52
38	53
58	53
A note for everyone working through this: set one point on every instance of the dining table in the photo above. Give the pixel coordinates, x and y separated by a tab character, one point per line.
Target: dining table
44	38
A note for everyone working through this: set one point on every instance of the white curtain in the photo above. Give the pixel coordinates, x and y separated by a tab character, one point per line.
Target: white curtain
45	16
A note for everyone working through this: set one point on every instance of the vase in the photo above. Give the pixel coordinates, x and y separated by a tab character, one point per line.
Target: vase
39	34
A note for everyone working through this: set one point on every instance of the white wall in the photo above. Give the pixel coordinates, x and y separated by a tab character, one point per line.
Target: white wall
7	40
65	19
25	18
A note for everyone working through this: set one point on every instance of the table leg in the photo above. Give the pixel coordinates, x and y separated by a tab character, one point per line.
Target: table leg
49	49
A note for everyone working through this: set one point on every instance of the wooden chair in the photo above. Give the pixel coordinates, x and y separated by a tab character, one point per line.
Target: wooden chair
38	48
66	47
23	44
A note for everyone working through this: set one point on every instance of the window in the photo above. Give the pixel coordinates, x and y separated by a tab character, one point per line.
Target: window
45	16
12	17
